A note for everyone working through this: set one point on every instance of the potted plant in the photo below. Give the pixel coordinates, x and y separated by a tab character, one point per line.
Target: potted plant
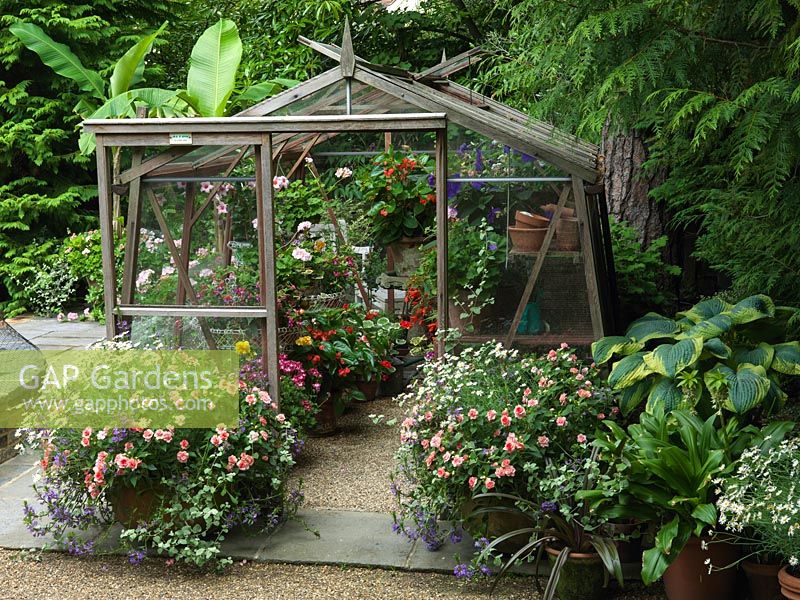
398	188
476	253
759	504
488	420
669	463
582	557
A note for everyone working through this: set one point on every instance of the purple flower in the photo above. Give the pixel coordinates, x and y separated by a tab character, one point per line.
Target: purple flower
463	571
548	506
452	212
135	557
453	187
492	246
431	180
494	212
527	158
478	160
462	149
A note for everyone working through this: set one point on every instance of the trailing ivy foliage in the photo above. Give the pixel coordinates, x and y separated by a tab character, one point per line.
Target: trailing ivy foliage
46	186
714	83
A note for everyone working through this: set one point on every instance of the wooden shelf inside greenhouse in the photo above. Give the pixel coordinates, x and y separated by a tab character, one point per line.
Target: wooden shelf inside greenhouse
550	253
543	339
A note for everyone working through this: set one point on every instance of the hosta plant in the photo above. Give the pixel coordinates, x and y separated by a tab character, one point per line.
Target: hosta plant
716	353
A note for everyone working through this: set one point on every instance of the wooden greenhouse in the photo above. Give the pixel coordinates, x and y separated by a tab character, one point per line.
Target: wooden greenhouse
489	158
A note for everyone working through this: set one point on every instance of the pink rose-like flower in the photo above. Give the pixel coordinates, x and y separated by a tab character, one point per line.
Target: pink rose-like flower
85	442
458	461
128	446
184	444
532	402
561	421
552	355
581	438
489	484
183	456
166	436
584	393
250	399
562	399
446	456
216	440
73	316
428	415
544	441
60	317
222	208
87	432
601	416
147	434
491	415
442	472
472	414
472	482
280	418
301	254
519	411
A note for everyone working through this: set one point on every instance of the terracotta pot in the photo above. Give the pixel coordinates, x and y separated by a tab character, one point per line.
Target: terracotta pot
630	550
567	233
497	523
582	576
456	322
326	417
526	220
406	255
550	209
687	578
790	585
762	579
134	504
527	240
369	389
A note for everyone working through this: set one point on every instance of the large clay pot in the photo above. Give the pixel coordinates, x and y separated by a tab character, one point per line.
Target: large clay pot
762	579
406	255
526	220
790	585
582	576
326	417
567	233
550	209
132	505
687	578
368	388
630	549
527	240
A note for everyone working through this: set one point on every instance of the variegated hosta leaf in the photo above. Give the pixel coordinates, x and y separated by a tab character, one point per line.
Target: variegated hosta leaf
632	396
628	371
710	328
652	326
664	393
751	309
787	358
604	348
760	355
716	347
671	359
746	387
705	309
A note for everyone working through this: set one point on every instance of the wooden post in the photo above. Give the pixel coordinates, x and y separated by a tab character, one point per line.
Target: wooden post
593	294
387	143
131	258
537	268
266	254
442	224
106	234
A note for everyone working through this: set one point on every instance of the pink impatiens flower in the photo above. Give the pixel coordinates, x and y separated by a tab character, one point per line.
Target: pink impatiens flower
472	414
519	411
561	421
544	441
458	461
472	482
581	438
183	456
491	415
489	484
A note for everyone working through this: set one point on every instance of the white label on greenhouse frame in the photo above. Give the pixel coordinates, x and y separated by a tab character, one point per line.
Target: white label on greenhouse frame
180	138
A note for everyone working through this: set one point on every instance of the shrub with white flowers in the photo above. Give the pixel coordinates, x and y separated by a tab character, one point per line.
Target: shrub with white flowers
762	500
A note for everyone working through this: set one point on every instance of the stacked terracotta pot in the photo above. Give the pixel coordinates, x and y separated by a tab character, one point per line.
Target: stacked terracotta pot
529	230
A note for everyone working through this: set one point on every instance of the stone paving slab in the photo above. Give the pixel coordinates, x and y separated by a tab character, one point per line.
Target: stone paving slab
49	334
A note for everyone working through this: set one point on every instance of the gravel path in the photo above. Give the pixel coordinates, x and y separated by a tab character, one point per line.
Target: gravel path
22	576
350	470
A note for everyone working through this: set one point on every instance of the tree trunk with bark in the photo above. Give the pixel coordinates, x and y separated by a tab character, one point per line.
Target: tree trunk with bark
627	185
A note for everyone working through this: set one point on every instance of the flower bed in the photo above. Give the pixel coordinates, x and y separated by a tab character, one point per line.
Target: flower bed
490	420
178	492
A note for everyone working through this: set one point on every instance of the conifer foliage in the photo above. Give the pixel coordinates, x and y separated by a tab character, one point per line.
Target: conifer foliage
716	86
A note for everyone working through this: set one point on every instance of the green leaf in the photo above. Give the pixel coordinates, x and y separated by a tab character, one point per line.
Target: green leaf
787	358
631	396
761	355
59	58
652	326
710	328
705	310
706	513
751	309
716	347
130	66
212	68
628	371
666	394
259	91
604	348
747	387
671	359
654	563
